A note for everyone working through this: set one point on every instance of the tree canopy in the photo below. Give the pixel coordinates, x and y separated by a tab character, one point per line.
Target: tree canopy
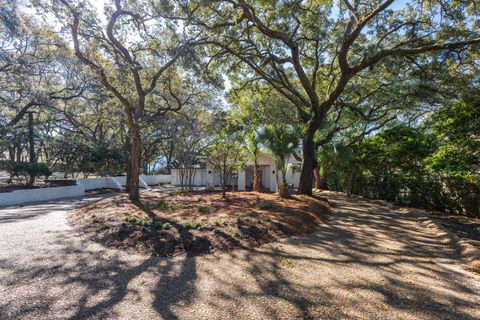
361	84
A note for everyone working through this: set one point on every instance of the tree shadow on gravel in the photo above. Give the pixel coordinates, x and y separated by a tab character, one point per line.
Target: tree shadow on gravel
79	283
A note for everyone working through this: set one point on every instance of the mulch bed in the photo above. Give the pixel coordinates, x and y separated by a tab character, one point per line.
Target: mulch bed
197	223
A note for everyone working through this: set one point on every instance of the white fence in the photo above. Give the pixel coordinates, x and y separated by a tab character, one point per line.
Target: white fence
41	194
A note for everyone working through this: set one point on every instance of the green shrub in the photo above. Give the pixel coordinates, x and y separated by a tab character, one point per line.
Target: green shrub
189	225
204	209
157	225
135	220
166	226
265	205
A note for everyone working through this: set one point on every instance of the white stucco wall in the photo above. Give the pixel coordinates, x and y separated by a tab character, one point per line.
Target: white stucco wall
38	195
241	181
156	179
293	178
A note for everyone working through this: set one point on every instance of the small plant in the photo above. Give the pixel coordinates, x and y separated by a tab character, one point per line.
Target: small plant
157	225
163	205
189	225
175	206
220	223
242	218
265	205
169	206
236	234
146	223
166	226
133	220
204	209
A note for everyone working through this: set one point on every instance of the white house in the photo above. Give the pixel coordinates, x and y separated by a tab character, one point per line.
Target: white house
268	174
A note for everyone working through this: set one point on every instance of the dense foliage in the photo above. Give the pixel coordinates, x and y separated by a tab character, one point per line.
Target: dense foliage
26	172
436	165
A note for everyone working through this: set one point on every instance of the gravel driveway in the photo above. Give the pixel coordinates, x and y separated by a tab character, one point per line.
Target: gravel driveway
367	262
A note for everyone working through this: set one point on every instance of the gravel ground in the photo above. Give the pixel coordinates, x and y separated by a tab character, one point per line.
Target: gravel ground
369	261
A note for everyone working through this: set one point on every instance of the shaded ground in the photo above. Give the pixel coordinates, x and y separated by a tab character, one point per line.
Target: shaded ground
467	228
368	261
197	223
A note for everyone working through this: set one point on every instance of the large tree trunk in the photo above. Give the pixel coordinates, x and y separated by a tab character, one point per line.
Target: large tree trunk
308	160
31	146
134	183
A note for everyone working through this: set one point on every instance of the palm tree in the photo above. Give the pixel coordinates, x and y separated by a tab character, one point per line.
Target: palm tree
253	142
282	141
